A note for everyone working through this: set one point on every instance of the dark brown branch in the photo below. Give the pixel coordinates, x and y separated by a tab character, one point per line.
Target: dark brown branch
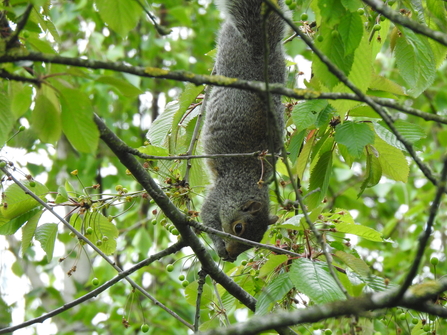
180	220
20	25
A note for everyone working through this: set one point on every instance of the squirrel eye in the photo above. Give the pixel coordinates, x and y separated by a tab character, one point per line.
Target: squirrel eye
238	228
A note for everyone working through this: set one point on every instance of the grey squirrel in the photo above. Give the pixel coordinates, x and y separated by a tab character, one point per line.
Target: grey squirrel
237	121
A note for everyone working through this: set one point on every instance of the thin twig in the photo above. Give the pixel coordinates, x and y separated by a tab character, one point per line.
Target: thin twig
425	235
394	16
123	274
94	247
201	283
20	25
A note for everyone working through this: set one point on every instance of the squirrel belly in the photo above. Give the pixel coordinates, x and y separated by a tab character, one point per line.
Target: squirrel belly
238	121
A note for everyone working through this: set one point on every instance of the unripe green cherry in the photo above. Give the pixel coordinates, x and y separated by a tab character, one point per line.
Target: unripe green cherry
402	316
320	38
32	183
244	262
360	11
99	243
175	231
414	321
22	128
144	328
181	277
169	267
95	281
328	332
89	231
185	283
304	17
434	261
426	328
377	27
292	5
2	164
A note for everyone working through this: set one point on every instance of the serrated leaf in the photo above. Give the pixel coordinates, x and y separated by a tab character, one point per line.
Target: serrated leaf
21	100
46	235
125	88
77	121
162	125
312	278
355	136
410	131
101	227
356	264
305	113
191	294
392	160
381	83
9	227
344	223
373	172
305	155
46	119
351	31
319	179
28	231
153	150
415	61
6	118
62	195
120	16
272	293
18	202
272	263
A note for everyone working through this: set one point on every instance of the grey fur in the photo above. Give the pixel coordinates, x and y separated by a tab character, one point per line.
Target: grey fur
237	122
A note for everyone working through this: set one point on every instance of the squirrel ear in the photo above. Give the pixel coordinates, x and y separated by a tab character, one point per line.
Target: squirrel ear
252	207
273	219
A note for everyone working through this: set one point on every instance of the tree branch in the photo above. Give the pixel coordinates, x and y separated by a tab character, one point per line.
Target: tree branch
396	17
180	220
425	235
416	298
123	274
93	246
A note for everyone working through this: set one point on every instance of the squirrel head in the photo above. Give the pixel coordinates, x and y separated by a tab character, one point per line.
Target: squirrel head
250	222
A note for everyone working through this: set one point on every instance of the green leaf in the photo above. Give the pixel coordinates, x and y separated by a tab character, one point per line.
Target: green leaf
21	99
312	278
18	202
9	227
162	125
305	113
46	235
191	294
272	293
62	195
355	136
272	263
120	16
384	84
415	61
28	231
344	223
319	178
392	160
122	85
153	150
410	131
373	172
77	121
351	31
304	156
356	264
46	119
6	118
101	227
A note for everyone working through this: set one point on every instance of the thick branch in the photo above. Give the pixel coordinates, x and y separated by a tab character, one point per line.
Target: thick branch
180	220
416	298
